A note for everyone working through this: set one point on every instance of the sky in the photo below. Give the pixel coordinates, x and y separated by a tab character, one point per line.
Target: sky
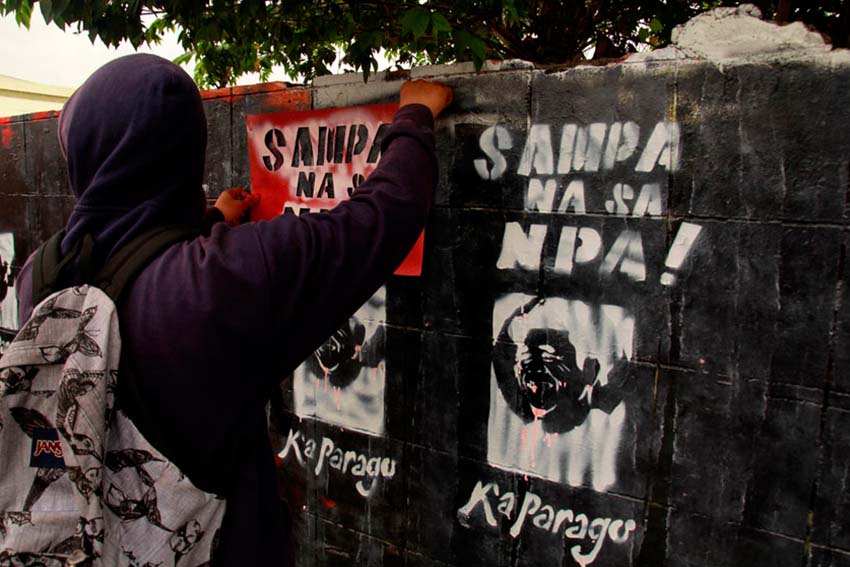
46	54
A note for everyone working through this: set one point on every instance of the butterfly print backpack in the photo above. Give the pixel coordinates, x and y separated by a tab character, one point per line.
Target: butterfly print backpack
79	485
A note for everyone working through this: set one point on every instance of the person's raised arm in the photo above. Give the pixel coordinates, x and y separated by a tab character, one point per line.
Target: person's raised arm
322	267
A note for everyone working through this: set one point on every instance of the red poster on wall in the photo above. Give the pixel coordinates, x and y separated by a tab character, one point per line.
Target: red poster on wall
310	161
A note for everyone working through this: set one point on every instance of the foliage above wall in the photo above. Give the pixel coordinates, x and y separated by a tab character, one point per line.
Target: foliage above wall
229	38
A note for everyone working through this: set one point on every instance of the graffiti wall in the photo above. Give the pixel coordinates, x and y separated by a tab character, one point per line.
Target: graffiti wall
595	366
626	341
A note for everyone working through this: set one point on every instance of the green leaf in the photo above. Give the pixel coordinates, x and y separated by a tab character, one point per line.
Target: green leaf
59	7
479	49
213	31
465	41
511	16
183	58
46	10
415	21
461	41
655	25
439	23
24	13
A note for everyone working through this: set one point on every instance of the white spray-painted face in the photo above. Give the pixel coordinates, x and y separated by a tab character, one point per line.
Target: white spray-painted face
551	357
343	381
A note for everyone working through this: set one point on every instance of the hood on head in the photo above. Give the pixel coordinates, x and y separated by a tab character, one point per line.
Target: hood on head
134	135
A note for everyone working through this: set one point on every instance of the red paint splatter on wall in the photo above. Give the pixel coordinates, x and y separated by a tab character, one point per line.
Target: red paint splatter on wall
44	115
276	96
311	161
6	136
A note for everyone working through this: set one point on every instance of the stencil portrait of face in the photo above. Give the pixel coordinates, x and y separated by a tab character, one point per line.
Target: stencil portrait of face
339	356
562	378
343	381
552	386
542	367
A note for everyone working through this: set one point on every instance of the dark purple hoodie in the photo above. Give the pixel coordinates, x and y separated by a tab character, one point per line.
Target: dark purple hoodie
213	325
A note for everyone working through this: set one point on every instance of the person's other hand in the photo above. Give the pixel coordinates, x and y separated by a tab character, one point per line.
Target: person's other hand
436	96
235	203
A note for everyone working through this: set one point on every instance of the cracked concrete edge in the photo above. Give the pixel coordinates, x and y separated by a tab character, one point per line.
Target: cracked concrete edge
738	35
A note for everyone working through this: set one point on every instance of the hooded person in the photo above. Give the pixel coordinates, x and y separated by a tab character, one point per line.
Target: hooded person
211	326
135	137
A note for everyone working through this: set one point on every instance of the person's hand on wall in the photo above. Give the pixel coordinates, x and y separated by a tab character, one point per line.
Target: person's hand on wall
235	203
435	96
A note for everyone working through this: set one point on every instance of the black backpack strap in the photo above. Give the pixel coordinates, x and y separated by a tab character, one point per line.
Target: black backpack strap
128	262
119	270
47	264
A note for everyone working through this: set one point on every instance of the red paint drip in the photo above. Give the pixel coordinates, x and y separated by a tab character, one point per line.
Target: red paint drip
338	392
548	439
327	371
535	426
524	436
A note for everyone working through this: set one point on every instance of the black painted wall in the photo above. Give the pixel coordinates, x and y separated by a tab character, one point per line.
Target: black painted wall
572	381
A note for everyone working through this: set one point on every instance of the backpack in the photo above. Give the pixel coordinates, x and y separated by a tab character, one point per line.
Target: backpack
79	485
